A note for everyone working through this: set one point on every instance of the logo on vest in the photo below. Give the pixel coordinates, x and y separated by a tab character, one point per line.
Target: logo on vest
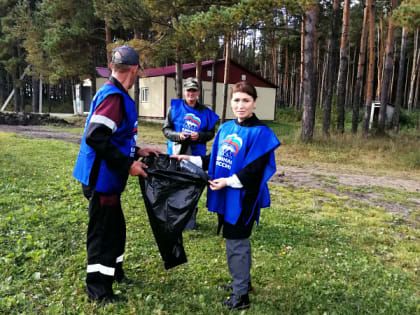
134	140
229	148
191	123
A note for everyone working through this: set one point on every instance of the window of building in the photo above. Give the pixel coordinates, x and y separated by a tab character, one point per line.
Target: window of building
144	95
209	73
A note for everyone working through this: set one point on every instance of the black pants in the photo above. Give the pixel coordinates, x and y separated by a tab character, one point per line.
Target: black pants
105	244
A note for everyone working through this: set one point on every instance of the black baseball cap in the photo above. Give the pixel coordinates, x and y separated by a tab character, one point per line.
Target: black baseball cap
125	55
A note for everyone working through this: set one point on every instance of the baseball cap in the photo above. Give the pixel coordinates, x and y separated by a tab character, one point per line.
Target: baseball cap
125	55
191	84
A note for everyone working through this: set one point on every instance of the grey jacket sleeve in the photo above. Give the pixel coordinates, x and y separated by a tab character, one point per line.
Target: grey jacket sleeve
204	136
169	128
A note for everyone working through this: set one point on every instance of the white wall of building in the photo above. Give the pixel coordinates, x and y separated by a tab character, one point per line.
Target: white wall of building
265	101
155	107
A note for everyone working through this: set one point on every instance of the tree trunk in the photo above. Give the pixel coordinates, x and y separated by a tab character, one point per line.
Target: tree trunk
3	86
407	74
302	58
332	65
178	75
360	73
198	69
394	69
286	63
387	72
15	77
371	67
413	81
213	85
73	94
93	75
416	95
350	84
226	78
137	94
254	44
381	52
343	69
315	67
309	106
292	87
413	71
398	98
323	75
35	94
93	87
274	57
108	41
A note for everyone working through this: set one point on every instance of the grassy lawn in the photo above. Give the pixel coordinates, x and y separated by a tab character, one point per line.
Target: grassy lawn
314	252
395	155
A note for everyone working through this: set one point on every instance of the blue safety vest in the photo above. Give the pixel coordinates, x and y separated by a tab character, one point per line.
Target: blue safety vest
188	119
124	138
235	147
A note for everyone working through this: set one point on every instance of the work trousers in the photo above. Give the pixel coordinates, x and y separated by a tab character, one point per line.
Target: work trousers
238	253
105	244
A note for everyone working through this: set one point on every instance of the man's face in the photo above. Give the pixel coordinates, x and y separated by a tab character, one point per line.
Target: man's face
134	71
191	97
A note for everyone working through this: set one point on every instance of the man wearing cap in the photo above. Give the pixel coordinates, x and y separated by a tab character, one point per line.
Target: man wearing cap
108	154
188	126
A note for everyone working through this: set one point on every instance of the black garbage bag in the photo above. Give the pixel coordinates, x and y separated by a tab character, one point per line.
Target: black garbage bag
171	193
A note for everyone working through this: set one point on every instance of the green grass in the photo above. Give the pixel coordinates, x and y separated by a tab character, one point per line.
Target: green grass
389	155
314	252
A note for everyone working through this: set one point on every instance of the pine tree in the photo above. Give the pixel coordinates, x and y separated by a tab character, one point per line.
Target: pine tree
370	76
332	57
387	72
342	73
309	106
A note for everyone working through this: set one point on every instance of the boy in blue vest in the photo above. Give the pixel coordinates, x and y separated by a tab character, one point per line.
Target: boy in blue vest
108	154
188	126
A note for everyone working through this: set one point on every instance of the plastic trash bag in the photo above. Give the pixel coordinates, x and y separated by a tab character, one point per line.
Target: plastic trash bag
171	193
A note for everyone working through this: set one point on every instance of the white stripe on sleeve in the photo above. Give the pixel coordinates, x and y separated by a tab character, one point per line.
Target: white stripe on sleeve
234	182
104	121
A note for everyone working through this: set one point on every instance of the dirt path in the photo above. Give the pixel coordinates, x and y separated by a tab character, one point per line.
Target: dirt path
313	178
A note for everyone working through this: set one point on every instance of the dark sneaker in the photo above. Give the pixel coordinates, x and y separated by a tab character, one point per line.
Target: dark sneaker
235	302
229	287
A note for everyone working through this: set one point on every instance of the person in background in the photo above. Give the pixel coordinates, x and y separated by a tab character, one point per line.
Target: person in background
188	126
108	154
240	164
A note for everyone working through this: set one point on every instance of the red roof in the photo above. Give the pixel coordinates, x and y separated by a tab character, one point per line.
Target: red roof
156	72
103	72
169	70
188	68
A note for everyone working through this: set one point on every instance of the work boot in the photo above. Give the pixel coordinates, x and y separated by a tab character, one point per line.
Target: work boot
120	276
229	287
107	299
124	280
236	302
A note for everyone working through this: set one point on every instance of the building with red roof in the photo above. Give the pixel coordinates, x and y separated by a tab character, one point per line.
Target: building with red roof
157	88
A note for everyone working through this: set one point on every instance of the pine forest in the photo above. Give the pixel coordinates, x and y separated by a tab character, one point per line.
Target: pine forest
328	59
